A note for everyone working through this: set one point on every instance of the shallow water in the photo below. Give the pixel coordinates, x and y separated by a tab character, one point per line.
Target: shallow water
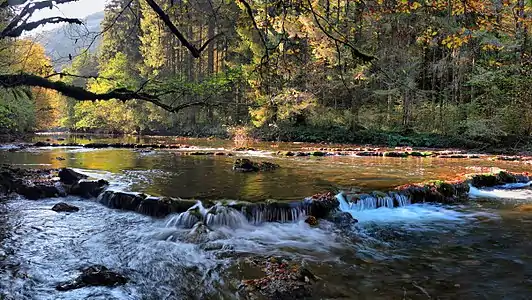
482	250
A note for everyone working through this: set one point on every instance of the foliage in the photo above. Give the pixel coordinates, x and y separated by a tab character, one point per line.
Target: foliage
447	71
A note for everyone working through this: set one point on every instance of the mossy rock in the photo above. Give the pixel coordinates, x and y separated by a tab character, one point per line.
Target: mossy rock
482	180
489	180
505	177
446	189
395	154
420	154
318	153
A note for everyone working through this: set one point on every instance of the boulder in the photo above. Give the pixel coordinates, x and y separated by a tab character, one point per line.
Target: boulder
493	179
88	188
395	154
64	207
320	205
198	234
35	192
343	219
69	176
246	165
93	276
146	205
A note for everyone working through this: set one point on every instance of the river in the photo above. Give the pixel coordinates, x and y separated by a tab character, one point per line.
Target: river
481	250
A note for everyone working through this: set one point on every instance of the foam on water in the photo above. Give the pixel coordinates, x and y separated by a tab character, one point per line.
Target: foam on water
284	239
51	247
512	191
412	213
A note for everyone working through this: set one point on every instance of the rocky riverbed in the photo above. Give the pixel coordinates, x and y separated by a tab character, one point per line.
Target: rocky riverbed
91	225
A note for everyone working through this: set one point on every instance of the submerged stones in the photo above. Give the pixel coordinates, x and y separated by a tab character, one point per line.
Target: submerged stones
246	165
96	275
36	184
283	279
64	207
31	183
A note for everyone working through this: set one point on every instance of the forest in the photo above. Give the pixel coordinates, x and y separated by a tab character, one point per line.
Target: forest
423	72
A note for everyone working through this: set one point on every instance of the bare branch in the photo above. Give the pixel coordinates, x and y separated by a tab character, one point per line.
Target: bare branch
354	50
17	31
168	22
20	23
249	11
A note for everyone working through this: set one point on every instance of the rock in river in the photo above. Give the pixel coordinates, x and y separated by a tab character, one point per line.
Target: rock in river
93	276
69	176
246	165
64	207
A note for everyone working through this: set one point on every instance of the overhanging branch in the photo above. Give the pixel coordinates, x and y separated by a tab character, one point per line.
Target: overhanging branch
354	50
81	94
20	23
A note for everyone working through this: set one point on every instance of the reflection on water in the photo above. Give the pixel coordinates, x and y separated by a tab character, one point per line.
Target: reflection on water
168	173
482	250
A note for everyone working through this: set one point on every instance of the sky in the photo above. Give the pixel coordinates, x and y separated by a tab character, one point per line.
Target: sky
78	9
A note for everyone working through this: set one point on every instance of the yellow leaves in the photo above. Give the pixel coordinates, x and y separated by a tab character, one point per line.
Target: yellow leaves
494	63
455	41
427	37
406	6
491	47
29	57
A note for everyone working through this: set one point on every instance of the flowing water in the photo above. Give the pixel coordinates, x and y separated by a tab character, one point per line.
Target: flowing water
480	250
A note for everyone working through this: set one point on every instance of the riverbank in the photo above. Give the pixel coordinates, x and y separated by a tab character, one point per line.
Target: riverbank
499	145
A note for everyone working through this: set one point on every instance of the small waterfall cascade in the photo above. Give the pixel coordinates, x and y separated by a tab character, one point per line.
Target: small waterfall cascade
516	191
274	212
372	201
215	216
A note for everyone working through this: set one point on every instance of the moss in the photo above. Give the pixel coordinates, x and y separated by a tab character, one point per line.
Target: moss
318	153
505	177
421	154
482	180
395	154
445	189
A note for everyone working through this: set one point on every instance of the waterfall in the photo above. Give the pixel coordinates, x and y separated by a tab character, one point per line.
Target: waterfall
402	199
274	212
508	191
372	201
220	215
217	215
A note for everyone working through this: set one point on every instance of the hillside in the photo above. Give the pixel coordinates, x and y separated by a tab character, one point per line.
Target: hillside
70	39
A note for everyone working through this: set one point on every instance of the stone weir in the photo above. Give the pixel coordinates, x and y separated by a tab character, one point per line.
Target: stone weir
319	206
37	184
445	192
